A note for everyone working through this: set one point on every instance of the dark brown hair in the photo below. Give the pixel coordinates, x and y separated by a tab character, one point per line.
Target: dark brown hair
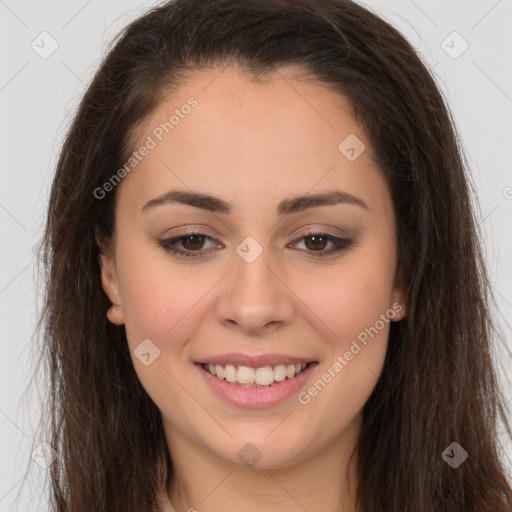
438	384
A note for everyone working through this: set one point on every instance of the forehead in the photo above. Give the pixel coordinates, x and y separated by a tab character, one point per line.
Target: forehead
245	138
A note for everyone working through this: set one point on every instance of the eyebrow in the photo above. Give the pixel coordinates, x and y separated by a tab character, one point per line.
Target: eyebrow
285	207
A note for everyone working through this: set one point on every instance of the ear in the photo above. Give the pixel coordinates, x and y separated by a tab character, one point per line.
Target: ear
399	299
399	304
110	284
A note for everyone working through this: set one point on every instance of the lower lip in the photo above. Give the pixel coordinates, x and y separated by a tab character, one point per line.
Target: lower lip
256	397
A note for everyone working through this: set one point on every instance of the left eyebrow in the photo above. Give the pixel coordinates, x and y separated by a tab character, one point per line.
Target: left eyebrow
285	207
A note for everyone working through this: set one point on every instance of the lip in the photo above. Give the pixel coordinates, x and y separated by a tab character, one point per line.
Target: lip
257	397
254	361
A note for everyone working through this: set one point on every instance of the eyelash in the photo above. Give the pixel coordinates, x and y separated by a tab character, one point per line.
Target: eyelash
341	244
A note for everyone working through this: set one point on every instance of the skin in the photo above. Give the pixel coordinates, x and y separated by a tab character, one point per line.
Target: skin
254	144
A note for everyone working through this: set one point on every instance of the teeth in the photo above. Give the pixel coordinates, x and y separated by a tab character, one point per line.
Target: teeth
246	375
254	377
279	372
263	376
230	373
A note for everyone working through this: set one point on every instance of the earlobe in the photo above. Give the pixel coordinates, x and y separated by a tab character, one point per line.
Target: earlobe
399	297
399	311
399	305
115	314
110	285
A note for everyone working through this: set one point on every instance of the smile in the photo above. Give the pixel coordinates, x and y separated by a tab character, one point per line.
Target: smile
248	376
258	385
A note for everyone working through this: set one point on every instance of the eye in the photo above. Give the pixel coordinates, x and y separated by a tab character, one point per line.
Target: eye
193	244
191	241
316	242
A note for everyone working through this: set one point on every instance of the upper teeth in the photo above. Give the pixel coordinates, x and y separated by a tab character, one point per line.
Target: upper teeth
262	376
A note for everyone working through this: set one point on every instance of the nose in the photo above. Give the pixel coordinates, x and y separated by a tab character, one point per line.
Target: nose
255	296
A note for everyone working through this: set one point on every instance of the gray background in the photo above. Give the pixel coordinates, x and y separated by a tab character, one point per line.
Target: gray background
39	94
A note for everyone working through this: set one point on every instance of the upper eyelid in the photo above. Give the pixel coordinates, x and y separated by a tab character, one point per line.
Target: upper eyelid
326	229
299	236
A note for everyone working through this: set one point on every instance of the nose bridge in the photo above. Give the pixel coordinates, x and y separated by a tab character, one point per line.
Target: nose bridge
254	297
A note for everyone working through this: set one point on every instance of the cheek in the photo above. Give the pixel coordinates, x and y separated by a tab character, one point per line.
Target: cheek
351	297
158	297
359	317
357	309
164	304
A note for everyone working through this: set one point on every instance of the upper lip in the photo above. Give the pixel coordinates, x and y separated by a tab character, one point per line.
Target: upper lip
255	361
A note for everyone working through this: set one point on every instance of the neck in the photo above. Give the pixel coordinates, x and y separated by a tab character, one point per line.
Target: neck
325	480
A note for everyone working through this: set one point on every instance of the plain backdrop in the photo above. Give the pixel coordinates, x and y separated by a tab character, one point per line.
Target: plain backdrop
48	53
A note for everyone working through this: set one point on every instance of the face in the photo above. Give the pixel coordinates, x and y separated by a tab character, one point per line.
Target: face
255	283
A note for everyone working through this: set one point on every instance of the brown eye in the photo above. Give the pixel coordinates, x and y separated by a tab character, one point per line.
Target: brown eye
318	242
193	242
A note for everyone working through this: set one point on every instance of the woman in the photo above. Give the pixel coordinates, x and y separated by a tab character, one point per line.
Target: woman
265	287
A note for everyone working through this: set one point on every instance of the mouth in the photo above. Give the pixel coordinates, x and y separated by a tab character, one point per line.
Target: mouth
256	382
256	377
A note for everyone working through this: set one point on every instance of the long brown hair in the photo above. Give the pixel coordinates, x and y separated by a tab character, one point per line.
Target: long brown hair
438	385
